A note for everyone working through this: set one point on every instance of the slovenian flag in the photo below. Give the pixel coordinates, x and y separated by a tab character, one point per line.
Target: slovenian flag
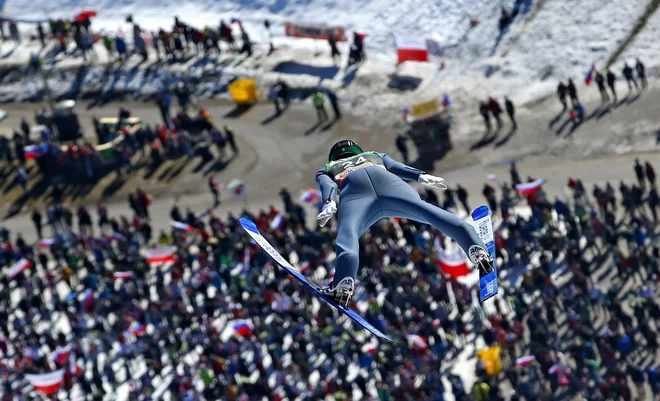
160	255
46	243
88	301
310	195
445	101
19	267
525	360
33	151
590	75
46	383
122	275
417	342
278	222
181	226
242	327
60	355
530	187
137	328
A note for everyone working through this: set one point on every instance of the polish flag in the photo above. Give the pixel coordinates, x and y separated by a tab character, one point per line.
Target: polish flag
525	360
159	255
310	195
371	347
530	187
454	263
180	225
278	222
46	383
417	342
60	355
411	48
554	369
123	275
46	243
242	327
19	267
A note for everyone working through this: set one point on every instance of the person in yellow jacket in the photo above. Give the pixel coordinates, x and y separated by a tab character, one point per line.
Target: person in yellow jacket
319	104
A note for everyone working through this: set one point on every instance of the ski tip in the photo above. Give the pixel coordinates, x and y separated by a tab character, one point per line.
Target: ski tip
480	212
248	224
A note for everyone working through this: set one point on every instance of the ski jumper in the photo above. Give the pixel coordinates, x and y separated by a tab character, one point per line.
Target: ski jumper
372	187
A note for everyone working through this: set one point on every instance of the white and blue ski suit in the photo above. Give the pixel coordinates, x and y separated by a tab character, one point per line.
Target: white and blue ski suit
370	187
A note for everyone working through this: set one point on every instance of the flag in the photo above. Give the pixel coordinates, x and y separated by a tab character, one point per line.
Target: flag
237	188
247	258
454	263
60	355
137	328
492	177
46	243
88	301
406	113
530	187
46	383
180	225
73	366
305	266
445	101
590	75
310	195
411	48
115	236
554	369
33	151
417	342
242	327
160	255
18	267
525	360
120	275
278	222
371	347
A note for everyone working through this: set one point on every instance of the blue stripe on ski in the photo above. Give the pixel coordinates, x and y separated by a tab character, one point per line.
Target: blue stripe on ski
488	285
254	233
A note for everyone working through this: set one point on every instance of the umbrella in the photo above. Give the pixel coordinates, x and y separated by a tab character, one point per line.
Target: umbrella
85	15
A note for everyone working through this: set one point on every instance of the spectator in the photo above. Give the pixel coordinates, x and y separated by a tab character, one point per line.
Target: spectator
215	190
496	110
600	81
630	78
483	110
572	92
320	107
639	173
641	72
561	94
510	110
611	82
229	137
462	195
650	173
402	147
334	102
332	41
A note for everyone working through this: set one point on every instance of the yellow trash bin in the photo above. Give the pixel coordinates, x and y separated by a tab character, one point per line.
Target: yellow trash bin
243	91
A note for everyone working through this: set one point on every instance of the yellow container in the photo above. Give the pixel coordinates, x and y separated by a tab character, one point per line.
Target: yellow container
243	91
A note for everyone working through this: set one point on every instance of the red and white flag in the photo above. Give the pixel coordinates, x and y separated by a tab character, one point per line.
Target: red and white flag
371	347
525	360
236	188
47	383
454	263
19	267
530	187
181	226
417	342
160	255
46	243
120	275
411	48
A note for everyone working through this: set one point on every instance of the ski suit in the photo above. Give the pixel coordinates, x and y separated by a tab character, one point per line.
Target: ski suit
372	187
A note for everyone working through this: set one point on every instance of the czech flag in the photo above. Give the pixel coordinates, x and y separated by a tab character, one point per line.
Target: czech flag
236	188
137	329
371	347
181	226
310	195
46	383
590	75
278	222
19	267
160	255
445	101
525	360
60	355
88	301
242	327
417	342
530	187
46	243
122	275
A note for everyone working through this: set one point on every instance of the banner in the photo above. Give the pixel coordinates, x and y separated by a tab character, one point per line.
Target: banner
314	31
411	48
425	109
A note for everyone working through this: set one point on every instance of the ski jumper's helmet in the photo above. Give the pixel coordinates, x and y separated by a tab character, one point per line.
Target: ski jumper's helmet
343	149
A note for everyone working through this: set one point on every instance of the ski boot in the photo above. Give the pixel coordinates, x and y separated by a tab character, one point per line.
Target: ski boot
341	293
481	259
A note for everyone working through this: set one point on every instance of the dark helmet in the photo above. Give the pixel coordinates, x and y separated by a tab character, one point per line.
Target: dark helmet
343	149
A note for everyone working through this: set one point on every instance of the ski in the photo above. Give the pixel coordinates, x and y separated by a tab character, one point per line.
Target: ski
254	233
482	222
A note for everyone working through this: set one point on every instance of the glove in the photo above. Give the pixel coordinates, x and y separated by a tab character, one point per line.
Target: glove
328	210
432	181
